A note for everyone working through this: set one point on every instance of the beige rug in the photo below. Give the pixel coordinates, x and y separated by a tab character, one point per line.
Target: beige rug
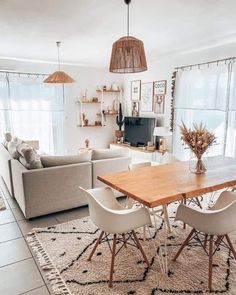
2	203
62	251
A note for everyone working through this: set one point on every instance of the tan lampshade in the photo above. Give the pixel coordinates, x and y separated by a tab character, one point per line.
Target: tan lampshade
128	56
59	77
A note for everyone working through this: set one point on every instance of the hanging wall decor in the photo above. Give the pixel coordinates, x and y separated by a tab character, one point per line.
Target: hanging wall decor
135	90
159	104
146	97
160	87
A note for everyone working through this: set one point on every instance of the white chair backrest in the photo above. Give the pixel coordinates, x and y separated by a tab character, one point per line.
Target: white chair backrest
139	165
168	158
101	201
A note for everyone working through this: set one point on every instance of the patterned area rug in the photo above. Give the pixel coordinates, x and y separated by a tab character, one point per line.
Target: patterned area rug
2	203
62	251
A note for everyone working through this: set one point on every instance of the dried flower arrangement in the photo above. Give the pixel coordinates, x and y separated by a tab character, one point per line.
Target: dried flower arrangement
198	140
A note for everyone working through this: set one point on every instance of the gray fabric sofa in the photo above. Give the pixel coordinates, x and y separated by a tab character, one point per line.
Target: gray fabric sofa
47	190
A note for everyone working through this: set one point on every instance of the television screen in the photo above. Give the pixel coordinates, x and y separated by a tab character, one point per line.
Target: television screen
138	131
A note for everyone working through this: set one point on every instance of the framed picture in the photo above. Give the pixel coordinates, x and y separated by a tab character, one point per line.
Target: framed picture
160	87
135	108
146	97
135	90
159	104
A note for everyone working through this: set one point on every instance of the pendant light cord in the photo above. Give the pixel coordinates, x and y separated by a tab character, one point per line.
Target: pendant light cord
58	55
128	20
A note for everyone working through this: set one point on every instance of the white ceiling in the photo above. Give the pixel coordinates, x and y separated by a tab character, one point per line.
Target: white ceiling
30	28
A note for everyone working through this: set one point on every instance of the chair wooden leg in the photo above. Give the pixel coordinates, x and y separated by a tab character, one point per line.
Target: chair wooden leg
210	263
166	218
184	244
205	241
124	240
231	246
95	246
198	202
112	261
140	248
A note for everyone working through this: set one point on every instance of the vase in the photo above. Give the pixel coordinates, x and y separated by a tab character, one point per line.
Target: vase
196	165
119	134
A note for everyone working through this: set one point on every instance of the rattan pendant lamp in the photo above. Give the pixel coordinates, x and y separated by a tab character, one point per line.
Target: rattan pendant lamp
128	55
59	76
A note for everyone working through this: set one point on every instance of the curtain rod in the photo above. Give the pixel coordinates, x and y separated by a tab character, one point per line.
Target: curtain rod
23	73
207	63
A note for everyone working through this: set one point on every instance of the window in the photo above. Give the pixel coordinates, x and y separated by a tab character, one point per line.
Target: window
31	109
207	95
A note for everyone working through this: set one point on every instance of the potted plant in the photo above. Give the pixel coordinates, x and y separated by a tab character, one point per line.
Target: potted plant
120	122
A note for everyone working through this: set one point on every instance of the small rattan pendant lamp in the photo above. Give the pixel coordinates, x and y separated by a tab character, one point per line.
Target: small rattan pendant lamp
59	76
128	55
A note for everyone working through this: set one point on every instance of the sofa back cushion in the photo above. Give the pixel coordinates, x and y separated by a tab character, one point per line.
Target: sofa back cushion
51	161
108	153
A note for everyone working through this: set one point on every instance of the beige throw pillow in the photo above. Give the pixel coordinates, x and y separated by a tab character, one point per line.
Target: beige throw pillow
108	153
12	149
29	157
51	161
7	139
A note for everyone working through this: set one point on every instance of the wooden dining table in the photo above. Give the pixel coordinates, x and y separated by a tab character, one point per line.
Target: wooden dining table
163	184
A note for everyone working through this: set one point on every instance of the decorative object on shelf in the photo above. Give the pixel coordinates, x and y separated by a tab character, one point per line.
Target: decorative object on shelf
159	104
86	143
98	123
84	97
120	122
162	132
115	87
135	108
128	55
160	87
172	101
104	88
95	99
135	90
198	140
115	105
59	76
146	97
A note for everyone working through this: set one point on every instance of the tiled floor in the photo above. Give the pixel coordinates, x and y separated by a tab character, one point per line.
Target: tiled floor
19	271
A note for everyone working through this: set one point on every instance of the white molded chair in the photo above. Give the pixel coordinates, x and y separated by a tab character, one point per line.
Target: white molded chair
217	222
111	218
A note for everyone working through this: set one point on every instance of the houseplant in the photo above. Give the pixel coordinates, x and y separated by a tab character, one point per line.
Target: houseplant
120	122
199	139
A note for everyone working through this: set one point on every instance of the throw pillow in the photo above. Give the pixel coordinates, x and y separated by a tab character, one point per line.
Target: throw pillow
108	153
34	164
7	138
51	161
12	149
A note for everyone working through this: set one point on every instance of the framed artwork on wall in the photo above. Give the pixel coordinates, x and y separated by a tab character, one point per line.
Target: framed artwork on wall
160	87
135	90
146	97
135	108
159	104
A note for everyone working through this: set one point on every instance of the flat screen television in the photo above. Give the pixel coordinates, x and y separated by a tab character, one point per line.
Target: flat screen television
138	130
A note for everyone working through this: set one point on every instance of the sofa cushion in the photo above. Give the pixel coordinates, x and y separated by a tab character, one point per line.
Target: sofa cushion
51	161
7	138
12	149
108	153
33	164
22	148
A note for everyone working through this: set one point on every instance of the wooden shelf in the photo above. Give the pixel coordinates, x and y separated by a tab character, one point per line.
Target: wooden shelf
91	126
140	149
107	114
88	101
109	91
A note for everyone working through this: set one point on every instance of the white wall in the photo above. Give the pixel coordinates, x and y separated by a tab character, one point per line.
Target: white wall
85	77
163	67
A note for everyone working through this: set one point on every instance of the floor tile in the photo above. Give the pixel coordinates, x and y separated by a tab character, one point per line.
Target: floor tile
13	251
72	214
6	216
38	291
9	231
27	225
12	203
20	277
18	214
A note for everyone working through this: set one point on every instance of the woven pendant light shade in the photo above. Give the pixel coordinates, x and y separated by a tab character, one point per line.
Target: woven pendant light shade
59	77
128	56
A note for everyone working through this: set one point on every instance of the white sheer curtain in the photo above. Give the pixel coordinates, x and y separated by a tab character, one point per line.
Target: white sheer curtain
33	110
201	95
